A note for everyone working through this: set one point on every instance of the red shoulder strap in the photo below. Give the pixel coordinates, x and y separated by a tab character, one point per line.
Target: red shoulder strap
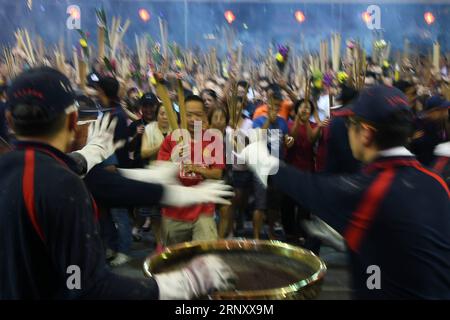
28	190
363	216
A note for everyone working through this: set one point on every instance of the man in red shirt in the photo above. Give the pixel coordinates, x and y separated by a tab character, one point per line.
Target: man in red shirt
195	222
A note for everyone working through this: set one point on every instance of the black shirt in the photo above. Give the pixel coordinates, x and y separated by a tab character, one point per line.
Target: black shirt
137	161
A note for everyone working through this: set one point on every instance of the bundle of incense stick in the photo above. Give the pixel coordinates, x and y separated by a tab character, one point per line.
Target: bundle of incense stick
164	42
40	49
386	52
141	48
359	68
181	104
348	52
238	113
239	58
336	51
101	43
62	56
213	59
59	60
124	67
82	73
163	94
307	92
103	34
314	63
405	58
117	33
10	63
25	45
323	56
189	60
232	104
229	39
76	65
436	56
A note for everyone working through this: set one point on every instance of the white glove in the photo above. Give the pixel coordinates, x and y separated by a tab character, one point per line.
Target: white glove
202	276
100	142
258	159
210	191
319	229
160	172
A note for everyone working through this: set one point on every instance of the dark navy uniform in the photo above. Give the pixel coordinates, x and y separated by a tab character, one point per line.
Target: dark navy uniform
395	215
47	224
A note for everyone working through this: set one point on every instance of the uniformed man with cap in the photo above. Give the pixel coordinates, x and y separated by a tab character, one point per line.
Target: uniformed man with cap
48	228
394	215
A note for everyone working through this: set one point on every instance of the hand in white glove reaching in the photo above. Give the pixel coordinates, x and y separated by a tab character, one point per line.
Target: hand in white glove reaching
100	142
161	172
176	195
257	158
202	276
210	191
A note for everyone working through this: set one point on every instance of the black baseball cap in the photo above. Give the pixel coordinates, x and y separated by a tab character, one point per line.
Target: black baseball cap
436	102
149	99
44	87
378	104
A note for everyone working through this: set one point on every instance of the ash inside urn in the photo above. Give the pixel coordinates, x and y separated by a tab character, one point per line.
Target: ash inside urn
256	270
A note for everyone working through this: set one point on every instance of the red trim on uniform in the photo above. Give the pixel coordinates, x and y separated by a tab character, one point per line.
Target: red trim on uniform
96	212
440	164
364	214
343	113
435	176
28	190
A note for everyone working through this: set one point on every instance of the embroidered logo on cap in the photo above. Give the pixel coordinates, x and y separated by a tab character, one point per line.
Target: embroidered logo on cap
28	92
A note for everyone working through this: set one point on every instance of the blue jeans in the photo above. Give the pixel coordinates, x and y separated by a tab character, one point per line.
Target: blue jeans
124	237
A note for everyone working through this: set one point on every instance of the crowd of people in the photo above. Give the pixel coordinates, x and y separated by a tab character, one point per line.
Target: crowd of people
308	121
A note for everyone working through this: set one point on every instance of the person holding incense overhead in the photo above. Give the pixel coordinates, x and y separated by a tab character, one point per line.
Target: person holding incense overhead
300	155
197	164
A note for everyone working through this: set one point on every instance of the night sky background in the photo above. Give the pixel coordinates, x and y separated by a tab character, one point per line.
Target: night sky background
265	22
